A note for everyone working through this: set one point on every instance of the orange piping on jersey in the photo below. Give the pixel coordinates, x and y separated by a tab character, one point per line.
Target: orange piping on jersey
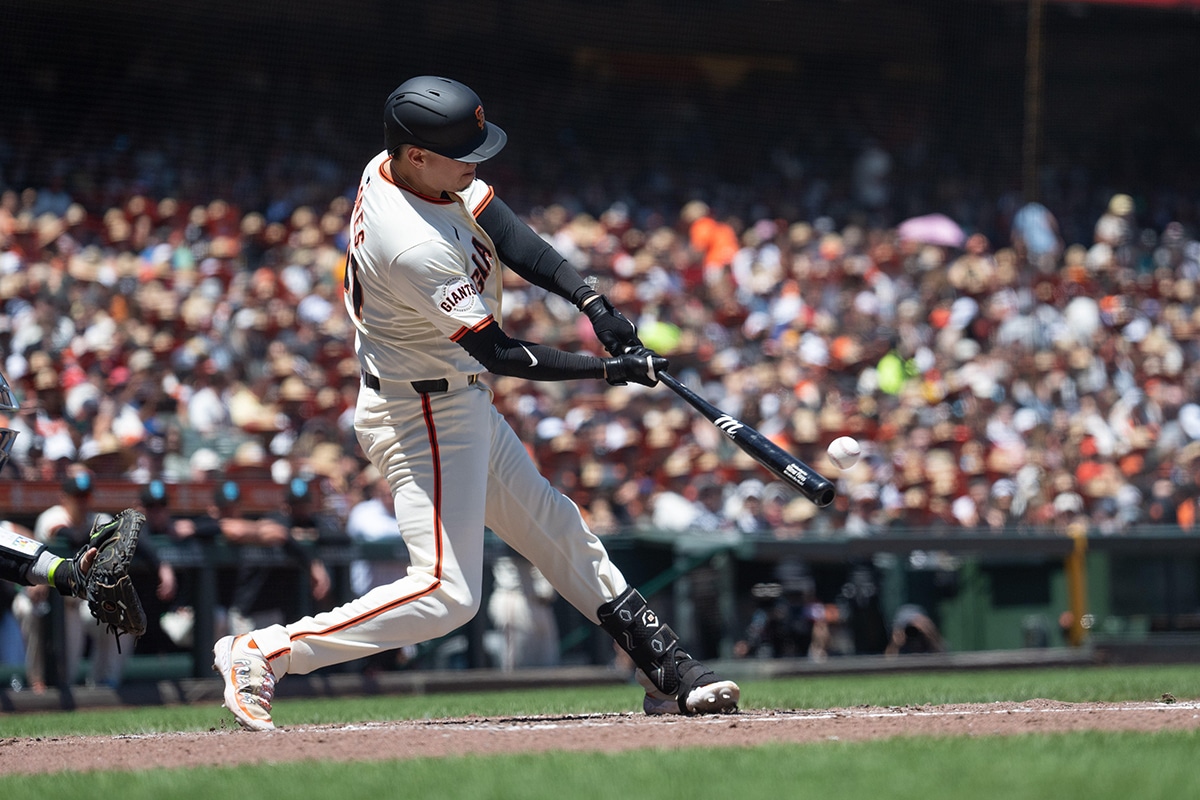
436	457
276	654
385	172
487	198
361	618
478	326
427	413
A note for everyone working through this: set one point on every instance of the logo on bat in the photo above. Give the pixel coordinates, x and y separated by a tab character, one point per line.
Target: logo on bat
797	475
728	424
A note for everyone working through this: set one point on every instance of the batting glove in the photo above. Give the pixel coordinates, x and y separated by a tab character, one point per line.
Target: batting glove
613	329
641	368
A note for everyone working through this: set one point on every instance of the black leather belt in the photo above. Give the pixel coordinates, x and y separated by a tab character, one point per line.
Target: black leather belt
431	387
422	387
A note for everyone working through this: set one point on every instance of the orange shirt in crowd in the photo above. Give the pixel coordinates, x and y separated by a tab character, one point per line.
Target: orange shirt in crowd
717	241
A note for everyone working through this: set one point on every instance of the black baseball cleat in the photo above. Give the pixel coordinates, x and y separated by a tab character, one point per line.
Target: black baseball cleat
715	697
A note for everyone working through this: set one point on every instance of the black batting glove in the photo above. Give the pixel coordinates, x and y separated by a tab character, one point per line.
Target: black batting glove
613	329
642	368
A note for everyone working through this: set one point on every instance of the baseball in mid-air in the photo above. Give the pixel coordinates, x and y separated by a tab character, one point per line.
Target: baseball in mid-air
844	452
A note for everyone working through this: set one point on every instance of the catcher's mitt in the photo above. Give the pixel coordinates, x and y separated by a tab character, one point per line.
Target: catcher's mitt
107	586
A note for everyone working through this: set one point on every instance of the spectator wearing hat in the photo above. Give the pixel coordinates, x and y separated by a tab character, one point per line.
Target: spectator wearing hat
150	570
51	425
998	514
224	520
269	595
1115	227
204	465
208	409
745	507
69	523
174	466
864	510
307	520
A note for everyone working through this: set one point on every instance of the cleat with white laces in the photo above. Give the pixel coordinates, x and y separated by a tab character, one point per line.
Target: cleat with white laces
249	681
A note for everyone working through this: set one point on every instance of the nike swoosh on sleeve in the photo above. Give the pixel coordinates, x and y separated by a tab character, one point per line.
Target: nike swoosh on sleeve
533	362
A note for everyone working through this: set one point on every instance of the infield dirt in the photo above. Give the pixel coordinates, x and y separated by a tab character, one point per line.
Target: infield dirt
591	732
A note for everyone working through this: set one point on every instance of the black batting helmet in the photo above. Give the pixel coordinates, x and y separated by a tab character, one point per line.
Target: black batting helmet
441	115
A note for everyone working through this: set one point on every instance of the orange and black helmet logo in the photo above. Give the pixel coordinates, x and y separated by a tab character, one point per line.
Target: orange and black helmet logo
479	116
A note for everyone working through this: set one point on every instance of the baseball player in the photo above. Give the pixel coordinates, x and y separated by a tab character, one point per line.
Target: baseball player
24	560
428	241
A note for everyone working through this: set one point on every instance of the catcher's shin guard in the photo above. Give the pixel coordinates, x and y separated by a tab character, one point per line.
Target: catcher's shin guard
653	646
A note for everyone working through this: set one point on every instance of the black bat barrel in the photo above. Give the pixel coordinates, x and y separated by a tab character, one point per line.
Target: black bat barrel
791	470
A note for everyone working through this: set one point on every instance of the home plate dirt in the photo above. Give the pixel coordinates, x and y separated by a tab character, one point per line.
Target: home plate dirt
592	732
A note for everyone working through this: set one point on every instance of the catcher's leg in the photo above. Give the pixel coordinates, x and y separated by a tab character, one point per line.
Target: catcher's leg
679	684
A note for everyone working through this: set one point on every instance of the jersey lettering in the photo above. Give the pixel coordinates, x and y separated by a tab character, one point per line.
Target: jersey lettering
484	262
354	292
356	218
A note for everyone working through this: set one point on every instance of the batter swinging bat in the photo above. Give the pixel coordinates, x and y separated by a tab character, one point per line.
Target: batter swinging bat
794	472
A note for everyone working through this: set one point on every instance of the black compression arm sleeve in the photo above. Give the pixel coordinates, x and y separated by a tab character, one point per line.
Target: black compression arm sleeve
528	254
500	354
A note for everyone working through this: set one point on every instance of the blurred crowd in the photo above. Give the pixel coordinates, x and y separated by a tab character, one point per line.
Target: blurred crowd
172	310
1006	385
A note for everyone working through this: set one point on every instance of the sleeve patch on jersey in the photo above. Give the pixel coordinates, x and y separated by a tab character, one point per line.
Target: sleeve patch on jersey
455	296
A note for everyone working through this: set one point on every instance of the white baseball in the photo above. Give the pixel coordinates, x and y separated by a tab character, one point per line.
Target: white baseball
844	452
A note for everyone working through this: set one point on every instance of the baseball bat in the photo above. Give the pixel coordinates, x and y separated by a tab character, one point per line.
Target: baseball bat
791	470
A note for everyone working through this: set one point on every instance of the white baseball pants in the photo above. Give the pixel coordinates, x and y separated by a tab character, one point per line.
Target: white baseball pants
455	466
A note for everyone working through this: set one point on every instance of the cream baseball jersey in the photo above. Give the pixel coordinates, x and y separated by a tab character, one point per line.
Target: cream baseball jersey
420	274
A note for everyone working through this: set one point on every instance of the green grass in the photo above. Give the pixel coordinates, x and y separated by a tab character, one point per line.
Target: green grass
1097	766
1057	767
